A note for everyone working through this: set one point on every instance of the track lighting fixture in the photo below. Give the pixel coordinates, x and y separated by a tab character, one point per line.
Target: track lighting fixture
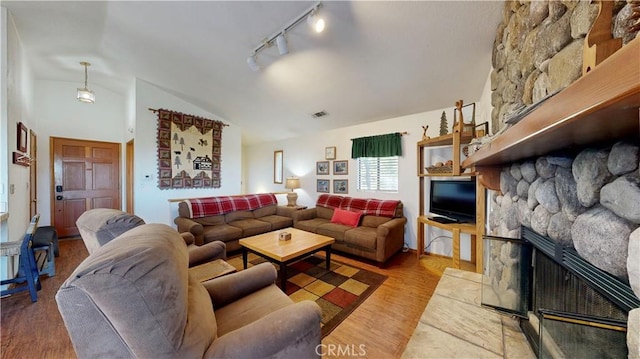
84	94
279	38
316	22
281	41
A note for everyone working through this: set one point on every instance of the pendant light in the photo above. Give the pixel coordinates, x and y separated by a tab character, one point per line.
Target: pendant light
84	94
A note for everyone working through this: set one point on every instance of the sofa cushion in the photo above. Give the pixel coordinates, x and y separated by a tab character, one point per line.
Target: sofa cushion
311	225
348	218
210	220
277	222
265	211
374	221
333	230
362	237
324	212
250	308
251	226
235	216
222	232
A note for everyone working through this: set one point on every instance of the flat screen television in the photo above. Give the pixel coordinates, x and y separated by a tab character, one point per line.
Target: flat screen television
454	199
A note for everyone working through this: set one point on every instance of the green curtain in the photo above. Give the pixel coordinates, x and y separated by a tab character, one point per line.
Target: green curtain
377	146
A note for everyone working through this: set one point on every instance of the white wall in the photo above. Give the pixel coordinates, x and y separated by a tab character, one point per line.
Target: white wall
16	107
151	203
301	154
59	114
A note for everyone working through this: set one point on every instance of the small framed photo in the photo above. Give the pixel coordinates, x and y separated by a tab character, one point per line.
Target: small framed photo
340	167
322	168
341	186
22	137
330	153
322	185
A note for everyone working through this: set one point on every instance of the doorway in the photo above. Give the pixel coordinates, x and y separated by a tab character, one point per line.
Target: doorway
85	175
129	176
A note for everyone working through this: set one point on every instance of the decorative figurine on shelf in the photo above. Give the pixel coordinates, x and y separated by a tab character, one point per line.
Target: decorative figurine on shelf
444	126
424	132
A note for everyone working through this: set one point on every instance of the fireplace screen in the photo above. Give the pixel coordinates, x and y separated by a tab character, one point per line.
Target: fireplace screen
564	335
505	280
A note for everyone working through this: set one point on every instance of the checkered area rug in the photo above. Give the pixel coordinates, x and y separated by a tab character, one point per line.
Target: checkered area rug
338	291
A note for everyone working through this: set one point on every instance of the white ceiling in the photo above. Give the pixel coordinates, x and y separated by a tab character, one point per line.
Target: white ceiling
374	61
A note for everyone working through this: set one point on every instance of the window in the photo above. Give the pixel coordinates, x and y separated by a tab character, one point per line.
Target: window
378	174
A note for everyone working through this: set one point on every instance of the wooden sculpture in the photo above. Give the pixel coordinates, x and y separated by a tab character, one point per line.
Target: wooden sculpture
599	42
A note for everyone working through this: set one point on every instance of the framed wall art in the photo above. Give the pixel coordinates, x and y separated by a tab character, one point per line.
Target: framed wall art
322	185
23	135
322	168
341	186
340	167
330	153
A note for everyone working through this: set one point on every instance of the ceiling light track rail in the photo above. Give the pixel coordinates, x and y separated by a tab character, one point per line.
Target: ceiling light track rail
279	39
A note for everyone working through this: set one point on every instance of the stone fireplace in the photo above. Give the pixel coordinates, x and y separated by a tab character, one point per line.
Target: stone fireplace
587	203
584	200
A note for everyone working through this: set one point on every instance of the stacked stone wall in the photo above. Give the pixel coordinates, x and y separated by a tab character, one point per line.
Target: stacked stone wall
538	50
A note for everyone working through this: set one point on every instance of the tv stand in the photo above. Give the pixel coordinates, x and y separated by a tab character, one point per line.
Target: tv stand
455	229
444	220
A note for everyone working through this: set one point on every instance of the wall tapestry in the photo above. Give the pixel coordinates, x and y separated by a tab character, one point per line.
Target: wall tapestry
189	151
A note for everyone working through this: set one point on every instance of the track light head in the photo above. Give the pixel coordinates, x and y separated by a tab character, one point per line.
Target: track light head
316	22
253	64
281	41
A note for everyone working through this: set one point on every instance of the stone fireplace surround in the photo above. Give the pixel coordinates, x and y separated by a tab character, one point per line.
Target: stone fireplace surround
538	51
589	200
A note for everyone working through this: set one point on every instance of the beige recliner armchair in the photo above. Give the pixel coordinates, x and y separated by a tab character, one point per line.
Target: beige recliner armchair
134	298
100	225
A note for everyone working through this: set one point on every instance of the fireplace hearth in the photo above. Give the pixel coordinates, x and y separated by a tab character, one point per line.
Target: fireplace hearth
570	308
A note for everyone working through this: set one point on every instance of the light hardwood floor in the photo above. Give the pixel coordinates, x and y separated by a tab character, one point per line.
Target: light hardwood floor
379	328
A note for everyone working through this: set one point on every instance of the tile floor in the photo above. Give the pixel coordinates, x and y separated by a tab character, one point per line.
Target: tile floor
455	325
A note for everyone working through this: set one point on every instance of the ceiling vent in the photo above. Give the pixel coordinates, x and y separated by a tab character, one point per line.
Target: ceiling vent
319	114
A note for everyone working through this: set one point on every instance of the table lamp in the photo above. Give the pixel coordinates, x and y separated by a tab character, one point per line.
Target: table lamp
292	183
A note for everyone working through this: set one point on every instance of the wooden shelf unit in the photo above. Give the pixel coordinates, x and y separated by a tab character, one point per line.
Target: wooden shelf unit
602	105
454	140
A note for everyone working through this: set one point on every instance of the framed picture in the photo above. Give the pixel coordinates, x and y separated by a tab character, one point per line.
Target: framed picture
322	185
22	137
330	153
322	168
341	186
340	167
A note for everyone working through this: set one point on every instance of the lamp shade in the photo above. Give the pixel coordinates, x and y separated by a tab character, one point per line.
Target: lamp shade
292	183
86	95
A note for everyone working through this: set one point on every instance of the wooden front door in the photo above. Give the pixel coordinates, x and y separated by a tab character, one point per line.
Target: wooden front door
86	175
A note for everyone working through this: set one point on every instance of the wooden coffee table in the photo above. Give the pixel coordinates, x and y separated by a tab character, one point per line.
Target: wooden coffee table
269	246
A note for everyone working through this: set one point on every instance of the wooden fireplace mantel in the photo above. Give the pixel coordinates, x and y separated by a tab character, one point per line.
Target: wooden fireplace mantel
602	105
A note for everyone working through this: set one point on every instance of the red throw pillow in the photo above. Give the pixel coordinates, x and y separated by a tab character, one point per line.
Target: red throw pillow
348	218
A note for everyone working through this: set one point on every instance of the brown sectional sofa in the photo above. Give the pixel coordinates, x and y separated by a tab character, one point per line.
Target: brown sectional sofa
378	236
229	218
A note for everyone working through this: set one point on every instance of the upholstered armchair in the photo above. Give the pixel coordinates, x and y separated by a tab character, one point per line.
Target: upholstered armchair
100	225
134	297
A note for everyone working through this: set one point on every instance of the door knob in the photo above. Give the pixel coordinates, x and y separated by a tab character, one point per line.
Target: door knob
59	198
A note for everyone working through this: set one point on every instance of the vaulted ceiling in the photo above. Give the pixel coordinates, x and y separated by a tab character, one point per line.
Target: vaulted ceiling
375	60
